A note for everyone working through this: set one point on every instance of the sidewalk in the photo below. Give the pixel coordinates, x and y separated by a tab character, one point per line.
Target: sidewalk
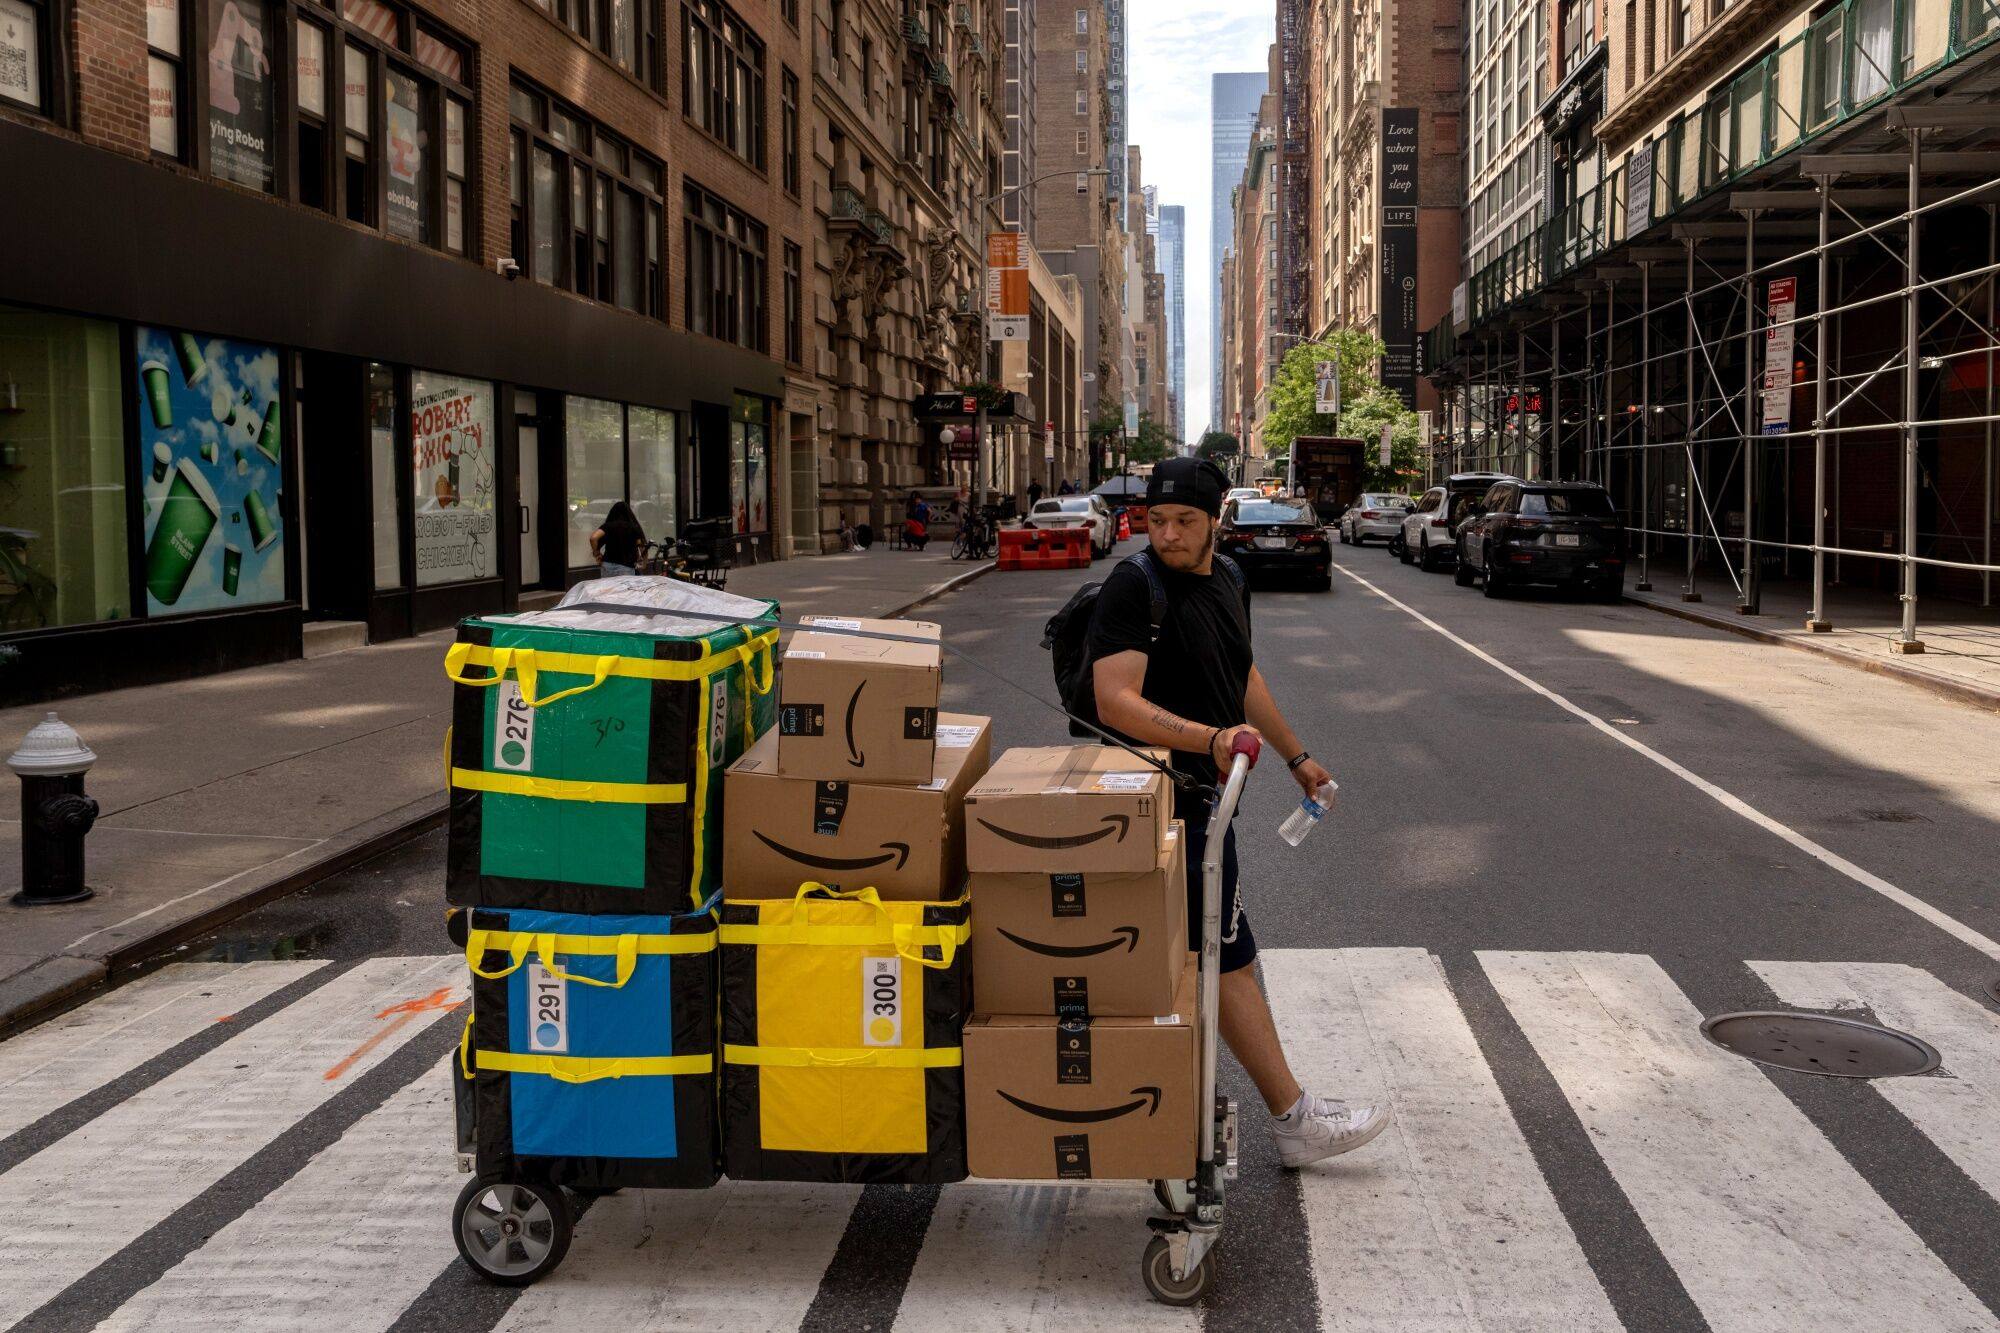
1961	656
222	793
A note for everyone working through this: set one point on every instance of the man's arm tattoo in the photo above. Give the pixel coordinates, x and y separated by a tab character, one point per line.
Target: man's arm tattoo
1168	722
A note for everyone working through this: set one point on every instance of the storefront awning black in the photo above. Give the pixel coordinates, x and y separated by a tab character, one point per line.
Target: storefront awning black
1012	407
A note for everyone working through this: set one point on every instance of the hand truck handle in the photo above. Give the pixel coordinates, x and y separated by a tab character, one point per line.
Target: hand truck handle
1248	746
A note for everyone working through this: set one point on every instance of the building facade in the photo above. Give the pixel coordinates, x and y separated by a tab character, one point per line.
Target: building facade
1386	182
447	281
1234	100
1251	295
1173	274
1017	168
1506	59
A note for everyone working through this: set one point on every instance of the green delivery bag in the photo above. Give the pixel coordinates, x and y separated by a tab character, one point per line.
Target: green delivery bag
587	747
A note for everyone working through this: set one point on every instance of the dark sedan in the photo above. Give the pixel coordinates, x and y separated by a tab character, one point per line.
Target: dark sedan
1277	537
1561	532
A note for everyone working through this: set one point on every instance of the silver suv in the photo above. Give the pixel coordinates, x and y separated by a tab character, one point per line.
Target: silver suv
1429	531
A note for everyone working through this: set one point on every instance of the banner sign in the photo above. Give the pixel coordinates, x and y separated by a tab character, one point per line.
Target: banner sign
1398	295
1007	286
1780	336
1326	388
1639	191
1388	451
451	434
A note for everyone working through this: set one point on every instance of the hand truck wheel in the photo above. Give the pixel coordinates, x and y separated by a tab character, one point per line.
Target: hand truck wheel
1157	1270
511	1232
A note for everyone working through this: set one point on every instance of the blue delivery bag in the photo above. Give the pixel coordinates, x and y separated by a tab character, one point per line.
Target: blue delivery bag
590	1050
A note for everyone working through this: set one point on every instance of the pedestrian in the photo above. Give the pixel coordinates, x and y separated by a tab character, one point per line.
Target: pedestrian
1194	688
616	545
1034	494
1066	488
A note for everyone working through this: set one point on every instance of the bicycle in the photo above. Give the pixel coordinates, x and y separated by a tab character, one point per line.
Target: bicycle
975	539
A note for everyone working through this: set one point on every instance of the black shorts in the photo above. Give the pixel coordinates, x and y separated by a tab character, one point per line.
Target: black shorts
1239	946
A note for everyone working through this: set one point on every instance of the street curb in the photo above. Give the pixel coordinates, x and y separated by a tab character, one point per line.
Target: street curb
66	975
937	590
1956	691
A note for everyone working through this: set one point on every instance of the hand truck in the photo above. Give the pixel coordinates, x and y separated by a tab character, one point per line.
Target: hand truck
1178	1263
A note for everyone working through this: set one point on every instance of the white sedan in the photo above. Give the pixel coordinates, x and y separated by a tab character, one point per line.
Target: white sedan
1077	511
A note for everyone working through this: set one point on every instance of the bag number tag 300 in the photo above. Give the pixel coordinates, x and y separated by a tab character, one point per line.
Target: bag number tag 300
882	1001
548	1011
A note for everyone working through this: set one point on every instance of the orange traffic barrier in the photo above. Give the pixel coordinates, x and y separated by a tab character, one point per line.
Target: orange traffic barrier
1044	548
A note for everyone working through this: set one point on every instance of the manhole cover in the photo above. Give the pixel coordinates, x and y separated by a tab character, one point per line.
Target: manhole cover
1993	989
1819	1044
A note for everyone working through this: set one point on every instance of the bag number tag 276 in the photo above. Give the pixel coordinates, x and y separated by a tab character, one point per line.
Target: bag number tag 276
882	1001
513	730
548	1011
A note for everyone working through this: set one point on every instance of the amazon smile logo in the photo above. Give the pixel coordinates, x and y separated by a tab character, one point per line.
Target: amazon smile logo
855	758
1146	1097
1121	824
899	852
1127	936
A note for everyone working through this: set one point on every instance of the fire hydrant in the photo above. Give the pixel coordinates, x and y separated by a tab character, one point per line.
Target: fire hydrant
55	814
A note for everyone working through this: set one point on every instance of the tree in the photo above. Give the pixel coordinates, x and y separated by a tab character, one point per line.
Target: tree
1152	443
1217	443
1365	405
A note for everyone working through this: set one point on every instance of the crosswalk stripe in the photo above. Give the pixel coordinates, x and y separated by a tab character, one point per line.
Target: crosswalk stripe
1020	1258
742	1256
362	1230
51	1065
95	1191
1956	1109
1766	1224
1406	1232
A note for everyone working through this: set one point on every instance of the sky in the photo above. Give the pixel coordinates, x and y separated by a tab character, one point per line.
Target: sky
1172	46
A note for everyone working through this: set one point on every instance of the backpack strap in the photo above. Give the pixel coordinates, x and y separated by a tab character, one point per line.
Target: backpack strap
1155	589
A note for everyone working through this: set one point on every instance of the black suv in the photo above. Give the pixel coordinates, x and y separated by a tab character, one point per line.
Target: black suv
1562	532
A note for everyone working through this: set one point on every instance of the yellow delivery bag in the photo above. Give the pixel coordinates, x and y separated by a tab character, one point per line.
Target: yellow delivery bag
842	1019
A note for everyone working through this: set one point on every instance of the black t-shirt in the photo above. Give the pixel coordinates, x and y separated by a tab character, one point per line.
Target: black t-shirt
1200	665
621	543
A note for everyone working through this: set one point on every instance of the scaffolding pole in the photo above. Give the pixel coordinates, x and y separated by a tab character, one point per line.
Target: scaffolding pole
1908	642
1748	601
1689	593
1816	620
1992	281
1645	583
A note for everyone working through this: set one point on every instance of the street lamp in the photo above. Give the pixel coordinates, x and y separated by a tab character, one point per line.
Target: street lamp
980	465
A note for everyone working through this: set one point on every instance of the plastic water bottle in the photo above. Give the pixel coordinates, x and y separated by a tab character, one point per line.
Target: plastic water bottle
1311	810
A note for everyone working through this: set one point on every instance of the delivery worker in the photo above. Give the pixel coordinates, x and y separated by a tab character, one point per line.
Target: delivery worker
1193	690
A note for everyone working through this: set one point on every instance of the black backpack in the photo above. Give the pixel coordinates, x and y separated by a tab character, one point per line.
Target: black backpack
1067	637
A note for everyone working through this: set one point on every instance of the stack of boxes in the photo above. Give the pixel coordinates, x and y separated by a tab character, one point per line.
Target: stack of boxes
1080	1059
586	757
845	972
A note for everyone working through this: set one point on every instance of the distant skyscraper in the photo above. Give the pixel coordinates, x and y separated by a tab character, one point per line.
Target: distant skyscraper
1017	159
1114	23
1173	267
1233	102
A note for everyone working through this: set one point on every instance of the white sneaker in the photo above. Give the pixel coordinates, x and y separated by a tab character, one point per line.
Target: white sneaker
1321	1127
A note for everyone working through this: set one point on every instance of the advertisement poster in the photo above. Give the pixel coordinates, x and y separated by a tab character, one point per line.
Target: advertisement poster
1007	286
210	445
1780	338
20	53
1399	252
1326	388
451	434
403	215
239	93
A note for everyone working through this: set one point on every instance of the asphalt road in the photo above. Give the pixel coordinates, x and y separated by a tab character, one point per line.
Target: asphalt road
1566	833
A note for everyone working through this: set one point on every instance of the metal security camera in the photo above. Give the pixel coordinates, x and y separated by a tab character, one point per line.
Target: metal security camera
507	267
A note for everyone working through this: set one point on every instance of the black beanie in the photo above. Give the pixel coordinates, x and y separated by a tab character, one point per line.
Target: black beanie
1194	482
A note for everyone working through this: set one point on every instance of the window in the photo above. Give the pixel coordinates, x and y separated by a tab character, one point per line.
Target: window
622	29
836	26
788	130
1083	20
590	215
723	91
27	42
749	448
1683	32
1083	101
790	9
726	276
1082	61
241	109
1082	144
312	118
63	553
619	453
868	73
452	447
166	76
795	330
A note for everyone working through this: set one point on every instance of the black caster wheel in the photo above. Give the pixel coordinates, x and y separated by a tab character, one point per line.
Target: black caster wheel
511	1232
1158	1272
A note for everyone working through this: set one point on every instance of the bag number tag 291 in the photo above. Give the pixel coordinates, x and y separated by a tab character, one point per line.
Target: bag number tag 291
548	1011
513	730
882	1001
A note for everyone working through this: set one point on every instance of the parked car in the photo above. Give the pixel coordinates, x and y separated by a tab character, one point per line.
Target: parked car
1277	537
1077	511
1429	530
1242	493
1377	514
1562	532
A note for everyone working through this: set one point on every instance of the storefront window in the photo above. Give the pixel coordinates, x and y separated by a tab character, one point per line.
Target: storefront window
211	446
22	25
594	439
749	464
382	468
653	449
452	442
240	109
62	472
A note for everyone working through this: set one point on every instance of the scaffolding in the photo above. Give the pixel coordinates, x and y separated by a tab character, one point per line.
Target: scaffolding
1771	335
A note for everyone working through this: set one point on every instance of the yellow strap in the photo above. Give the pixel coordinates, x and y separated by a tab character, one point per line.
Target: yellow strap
855	937
527	663
827	1057
564	789
589	1069
465	1045
627	949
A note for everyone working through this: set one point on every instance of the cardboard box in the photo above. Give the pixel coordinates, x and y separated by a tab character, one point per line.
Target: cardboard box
906	842
1068	809
854	709
1096	943
1065	1099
